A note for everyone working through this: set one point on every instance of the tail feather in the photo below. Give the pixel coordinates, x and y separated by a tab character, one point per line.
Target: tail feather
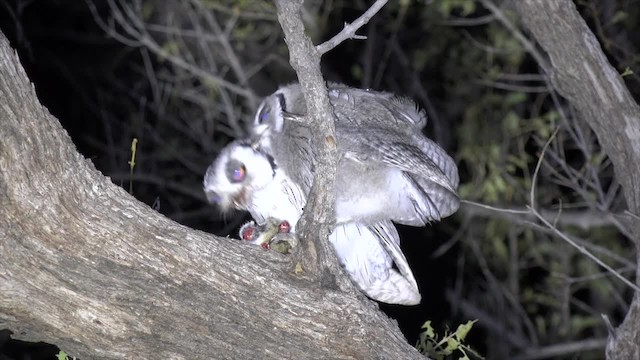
395	289
368	253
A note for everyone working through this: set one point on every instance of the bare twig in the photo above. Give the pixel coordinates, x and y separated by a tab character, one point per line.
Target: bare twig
580	248
559	350
488	321
526	43
349	30
583	219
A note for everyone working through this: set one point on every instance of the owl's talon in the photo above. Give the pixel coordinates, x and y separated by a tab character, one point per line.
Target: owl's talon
284	242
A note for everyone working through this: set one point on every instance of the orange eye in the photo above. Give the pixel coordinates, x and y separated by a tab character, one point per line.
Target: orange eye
239	174
236	171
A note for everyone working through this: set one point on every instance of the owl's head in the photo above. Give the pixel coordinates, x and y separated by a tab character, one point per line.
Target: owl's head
269	116
238	171
287	103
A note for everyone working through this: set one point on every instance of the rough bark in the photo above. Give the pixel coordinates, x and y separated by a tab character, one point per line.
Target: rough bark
89	268
318	218
580	72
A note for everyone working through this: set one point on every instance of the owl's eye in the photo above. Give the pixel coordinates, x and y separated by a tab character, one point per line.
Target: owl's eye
264	114
236	171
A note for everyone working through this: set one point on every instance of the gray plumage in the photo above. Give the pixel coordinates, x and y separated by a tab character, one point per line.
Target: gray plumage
387	168
388	171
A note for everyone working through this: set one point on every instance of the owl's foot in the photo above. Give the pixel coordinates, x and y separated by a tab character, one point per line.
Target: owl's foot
273	234
283	242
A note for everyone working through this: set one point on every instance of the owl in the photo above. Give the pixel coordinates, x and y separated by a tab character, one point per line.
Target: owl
243	177
387	169
387	172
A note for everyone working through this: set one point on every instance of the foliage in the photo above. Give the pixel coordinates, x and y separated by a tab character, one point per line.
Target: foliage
432	346
63	356
548	286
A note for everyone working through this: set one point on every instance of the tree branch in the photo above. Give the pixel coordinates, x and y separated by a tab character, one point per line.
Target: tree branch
583	219
89	268
318	218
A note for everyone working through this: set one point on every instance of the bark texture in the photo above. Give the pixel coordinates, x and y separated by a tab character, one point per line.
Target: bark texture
87	267
317	255
581	73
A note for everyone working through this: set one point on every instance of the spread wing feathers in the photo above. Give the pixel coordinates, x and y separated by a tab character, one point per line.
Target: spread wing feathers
356	110
424	207
410	159
440	158
440	204
367	144
361	107
431	189
367	253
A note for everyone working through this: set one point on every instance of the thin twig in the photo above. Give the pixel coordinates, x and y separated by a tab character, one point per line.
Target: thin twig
559	233
349	31
559	350
489	207
528	45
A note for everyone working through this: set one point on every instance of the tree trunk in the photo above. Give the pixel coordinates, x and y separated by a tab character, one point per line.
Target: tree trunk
87	267
581	73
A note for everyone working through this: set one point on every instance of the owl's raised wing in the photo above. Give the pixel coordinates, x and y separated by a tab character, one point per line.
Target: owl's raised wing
431	178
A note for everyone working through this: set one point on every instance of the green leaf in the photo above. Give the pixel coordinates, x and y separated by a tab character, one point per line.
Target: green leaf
618	17
511	122
147	10
463	329
468	7
515	98
428	329
627	71
452	345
